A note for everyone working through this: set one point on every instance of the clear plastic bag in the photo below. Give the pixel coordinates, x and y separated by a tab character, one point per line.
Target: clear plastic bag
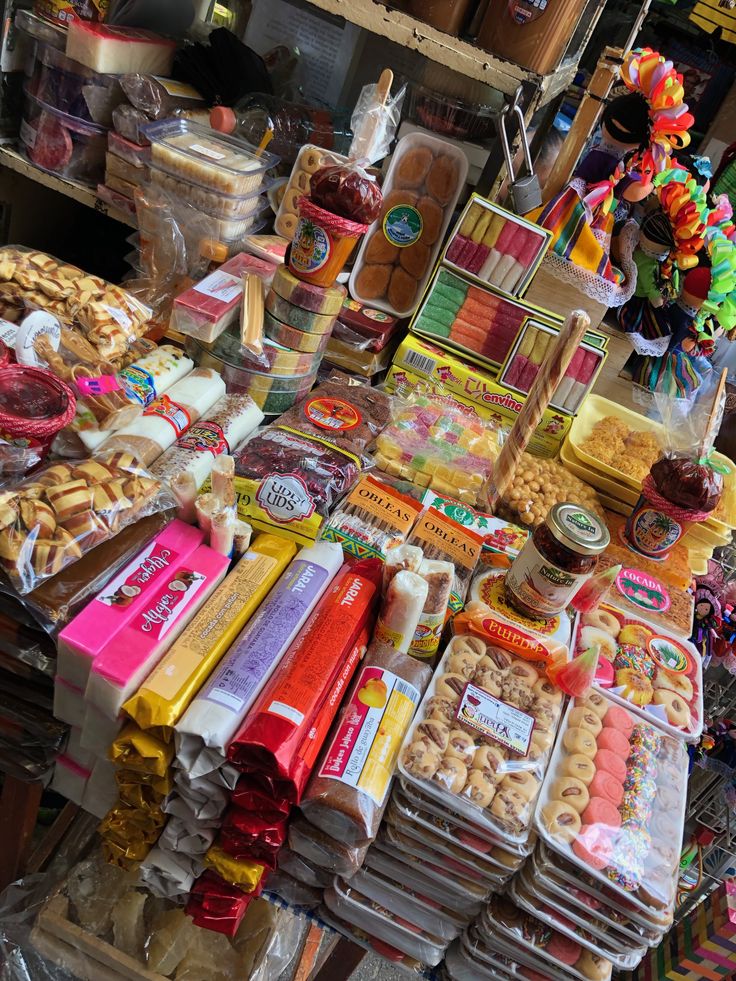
110	317
540	484
51	520
158	97
438	443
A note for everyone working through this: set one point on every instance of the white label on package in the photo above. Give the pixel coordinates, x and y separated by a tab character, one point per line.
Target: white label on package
221	286
207	152
505	723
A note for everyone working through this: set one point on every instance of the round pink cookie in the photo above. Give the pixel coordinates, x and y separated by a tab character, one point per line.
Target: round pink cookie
605	785
615	740
610	762
604	673
563	949
593	845
601	811
618	718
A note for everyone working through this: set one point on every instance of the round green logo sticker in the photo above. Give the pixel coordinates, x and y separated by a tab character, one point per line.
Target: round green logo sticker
669	655
402	225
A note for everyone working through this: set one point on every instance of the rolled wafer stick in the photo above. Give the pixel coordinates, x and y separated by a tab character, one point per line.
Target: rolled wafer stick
223	481
551	372
222	531
242	534
184	488
206	505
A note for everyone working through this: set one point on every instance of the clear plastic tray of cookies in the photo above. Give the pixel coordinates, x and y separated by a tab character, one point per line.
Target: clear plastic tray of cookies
310	159
398	254
499	954
481	739
444	850
534	942
403	902
477	839
613	801
566	921
466	848
406	871
433	866
602	919
191	152
406	964
351	905
461	966
647	669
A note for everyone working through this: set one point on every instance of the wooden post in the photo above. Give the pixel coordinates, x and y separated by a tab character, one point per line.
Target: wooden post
585	121
18	810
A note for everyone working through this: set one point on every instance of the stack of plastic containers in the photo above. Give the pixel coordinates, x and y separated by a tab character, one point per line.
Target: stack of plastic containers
68	107
600	888
222	177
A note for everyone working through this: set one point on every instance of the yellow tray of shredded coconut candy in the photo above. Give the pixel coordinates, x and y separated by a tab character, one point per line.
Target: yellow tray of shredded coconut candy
626	423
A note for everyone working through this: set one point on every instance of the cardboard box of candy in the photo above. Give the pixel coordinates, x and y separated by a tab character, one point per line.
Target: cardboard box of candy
494	246
417	360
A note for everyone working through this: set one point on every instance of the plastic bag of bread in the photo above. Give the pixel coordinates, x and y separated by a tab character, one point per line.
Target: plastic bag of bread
323	851
420	192
438	443
109	316
349	788
537	486
63	511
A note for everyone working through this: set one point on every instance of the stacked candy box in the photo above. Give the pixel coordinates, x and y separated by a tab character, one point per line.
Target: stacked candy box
480	742
647	668
613	801
536	946
496	246
438	443
528	896
522	366
470	317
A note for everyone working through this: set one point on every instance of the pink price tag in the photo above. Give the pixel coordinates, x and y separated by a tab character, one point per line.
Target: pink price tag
100	385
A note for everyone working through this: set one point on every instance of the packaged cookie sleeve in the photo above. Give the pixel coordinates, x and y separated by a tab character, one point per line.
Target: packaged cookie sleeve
348	791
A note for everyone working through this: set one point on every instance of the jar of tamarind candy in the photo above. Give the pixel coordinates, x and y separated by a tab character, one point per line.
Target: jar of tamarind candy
554	563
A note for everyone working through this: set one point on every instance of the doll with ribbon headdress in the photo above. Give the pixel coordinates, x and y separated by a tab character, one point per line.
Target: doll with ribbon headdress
640	131
671	235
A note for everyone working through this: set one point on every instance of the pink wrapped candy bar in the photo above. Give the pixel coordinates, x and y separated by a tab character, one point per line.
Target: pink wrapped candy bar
206	309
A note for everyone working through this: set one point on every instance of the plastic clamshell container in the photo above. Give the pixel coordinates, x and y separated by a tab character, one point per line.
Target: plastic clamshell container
408	873
661	644
463	805
462	966
595	408
492	953
61	144
275	356
433	863
350	905
71	87
189	151
214	203
438	148
443	850
526	894
418	909
448	116
517	853
571	926
513	944
670	791
397	958
439	830
309	160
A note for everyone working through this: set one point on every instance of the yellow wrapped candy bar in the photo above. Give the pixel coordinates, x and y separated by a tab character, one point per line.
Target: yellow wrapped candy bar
140	796
129	778
238	872
135	749
165	695
125	857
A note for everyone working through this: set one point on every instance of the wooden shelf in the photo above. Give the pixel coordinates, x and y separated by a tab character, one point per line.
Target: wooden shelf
14	161
461	56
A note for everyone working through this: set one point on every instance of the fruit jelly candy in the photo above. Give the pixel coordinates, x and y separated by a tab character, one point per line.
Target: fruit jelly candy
449	294
475	211
576	363
534	242
587	369
482	226
576	396
447	278
466	254
516	370
456	248
494	257
562	393
482	296
528	375
507	237
476	263
527	342
434	325
451	437
494	230
541	346
478	307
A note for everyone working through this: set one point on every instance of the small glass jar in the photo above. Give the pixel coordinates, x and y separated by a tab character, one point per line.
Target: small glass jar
554	563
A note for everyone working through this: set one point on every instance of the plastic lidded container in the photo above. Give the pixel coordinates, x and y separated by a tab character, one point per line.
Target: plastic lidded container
61	144
352	906
215	203
435	864
275	356
187	150
41	29
138	156
448	115
72	88
34	406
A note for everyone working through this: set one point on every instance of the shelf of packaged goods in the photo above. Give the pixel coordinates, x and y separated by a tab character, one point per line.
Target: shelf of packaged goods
449	51
10	158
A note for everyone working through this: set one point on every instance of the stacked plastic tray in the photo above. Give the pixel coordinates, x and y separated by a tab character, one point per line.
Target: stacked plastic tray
68	107
223	178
